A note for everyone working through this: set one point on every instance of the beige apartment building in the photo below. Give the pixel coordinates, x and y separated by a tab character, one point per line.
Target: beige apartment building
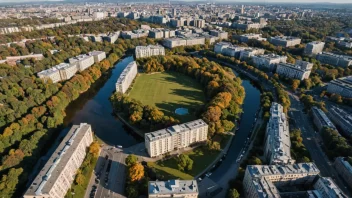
301	70
150	50
176	137
97	55
58	174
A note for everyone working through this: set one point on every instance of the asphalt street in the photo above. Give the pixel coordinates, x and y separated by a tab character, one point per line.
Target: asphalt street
312	140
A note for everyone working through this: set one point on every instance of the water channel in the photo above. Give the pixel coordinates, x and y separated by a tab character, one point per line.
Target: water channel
94	107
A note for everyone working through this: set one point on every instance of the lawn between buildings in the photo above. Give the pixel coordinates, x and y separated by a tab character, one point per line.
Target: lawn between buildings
168	91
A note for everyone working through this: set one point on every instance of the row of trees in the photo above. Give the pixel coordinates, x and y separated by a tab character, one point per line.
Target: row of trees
298	150
137	178
335	144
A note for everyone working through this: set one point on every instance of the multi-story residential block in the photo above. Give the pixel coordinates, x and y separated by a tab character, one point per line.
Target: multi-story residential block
150	50
219	47
96	38
97	55
249	52
285	41
189	41
277	137
320	119
314	48
58	174
219	33
341	86
52	73
246	37
346	44
111	37
301	70
268	61
176	137
134	34
328	189
126	77
199	23
247	25
11	60
173	188
342	119
66	70
158	33
195	41
344	169
265	180
334	59
82	61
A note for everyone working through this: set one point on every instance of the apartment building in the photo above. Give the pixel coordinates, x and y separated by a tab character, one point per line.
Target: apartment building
219	47
175	137
83	61
285	41
341	86
159	33
277	137
111	37
344	169
320	119
301	70
246	37
247	25
268	61
328	189
189	41
134	34
249	52
53	74
199	23
220	34
11	60
150	50
265	180
314	48
97	55
66	70
126	77
342	119
58	174
173	188
334	59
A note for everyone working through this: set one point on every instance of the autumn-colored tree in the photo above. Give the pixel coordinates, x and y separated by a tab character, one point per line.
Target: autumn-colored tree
131	160
94	149
136	172
80	178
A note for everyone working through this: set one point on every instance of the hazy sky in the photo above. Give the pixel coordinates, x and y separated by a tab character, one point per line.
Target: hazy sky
249	1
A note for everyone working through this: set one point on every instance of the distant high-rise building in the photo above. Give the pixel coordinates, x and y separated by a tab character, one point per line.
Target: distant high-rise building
174	12
242	9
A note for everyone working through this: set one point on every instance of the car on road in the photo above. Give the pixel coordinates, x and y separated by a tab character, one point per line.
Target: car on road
97	180
208	174
119	146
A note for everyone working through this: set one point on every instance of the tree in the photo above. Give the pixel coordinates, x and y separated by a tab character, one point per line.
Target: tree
131	160
136	172
80	179
295	84
184	162
94	149
233	193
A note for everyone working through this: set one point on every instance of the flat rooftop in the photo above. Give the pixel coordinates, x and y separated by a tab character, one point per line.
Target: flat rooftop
172	187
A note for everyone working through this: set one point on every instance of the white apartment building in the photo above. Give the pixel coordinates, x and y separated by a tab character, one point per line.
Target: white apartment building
301	70
126	77
199	23
285	41
150	50
220	34
246	37
314	48
58	174
66	70
263	180
111	37
277	137
341	86
320	119
176	137
189	41
97	55
334	59
83	61
173	188
249	52
328	189
219	47
52	73
268	61
158	33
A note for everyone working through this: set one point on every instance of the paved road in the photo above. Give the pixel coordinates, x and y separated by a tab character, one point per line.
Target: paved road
110	170
312	142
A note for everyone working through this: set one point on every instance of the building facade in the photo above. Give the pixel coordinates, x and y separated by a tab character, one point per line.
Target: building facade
249	52
82	61
344	169
334	59
173	188
285	41
314	48
199	23
97	55
150	50
341	119
328	189
189	41
301	70
220	34
58	174
268	61
66	70
341	86
53	74
126	77
320	119
277	137
246	37
176	137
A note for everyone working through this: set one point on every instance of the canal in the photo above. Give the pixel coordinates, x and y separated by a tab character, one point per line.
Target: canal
93	107
250	107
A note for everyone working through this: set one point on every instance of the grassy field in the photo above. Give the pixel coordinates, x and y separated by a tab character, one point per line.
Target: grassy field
169	91
168	168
